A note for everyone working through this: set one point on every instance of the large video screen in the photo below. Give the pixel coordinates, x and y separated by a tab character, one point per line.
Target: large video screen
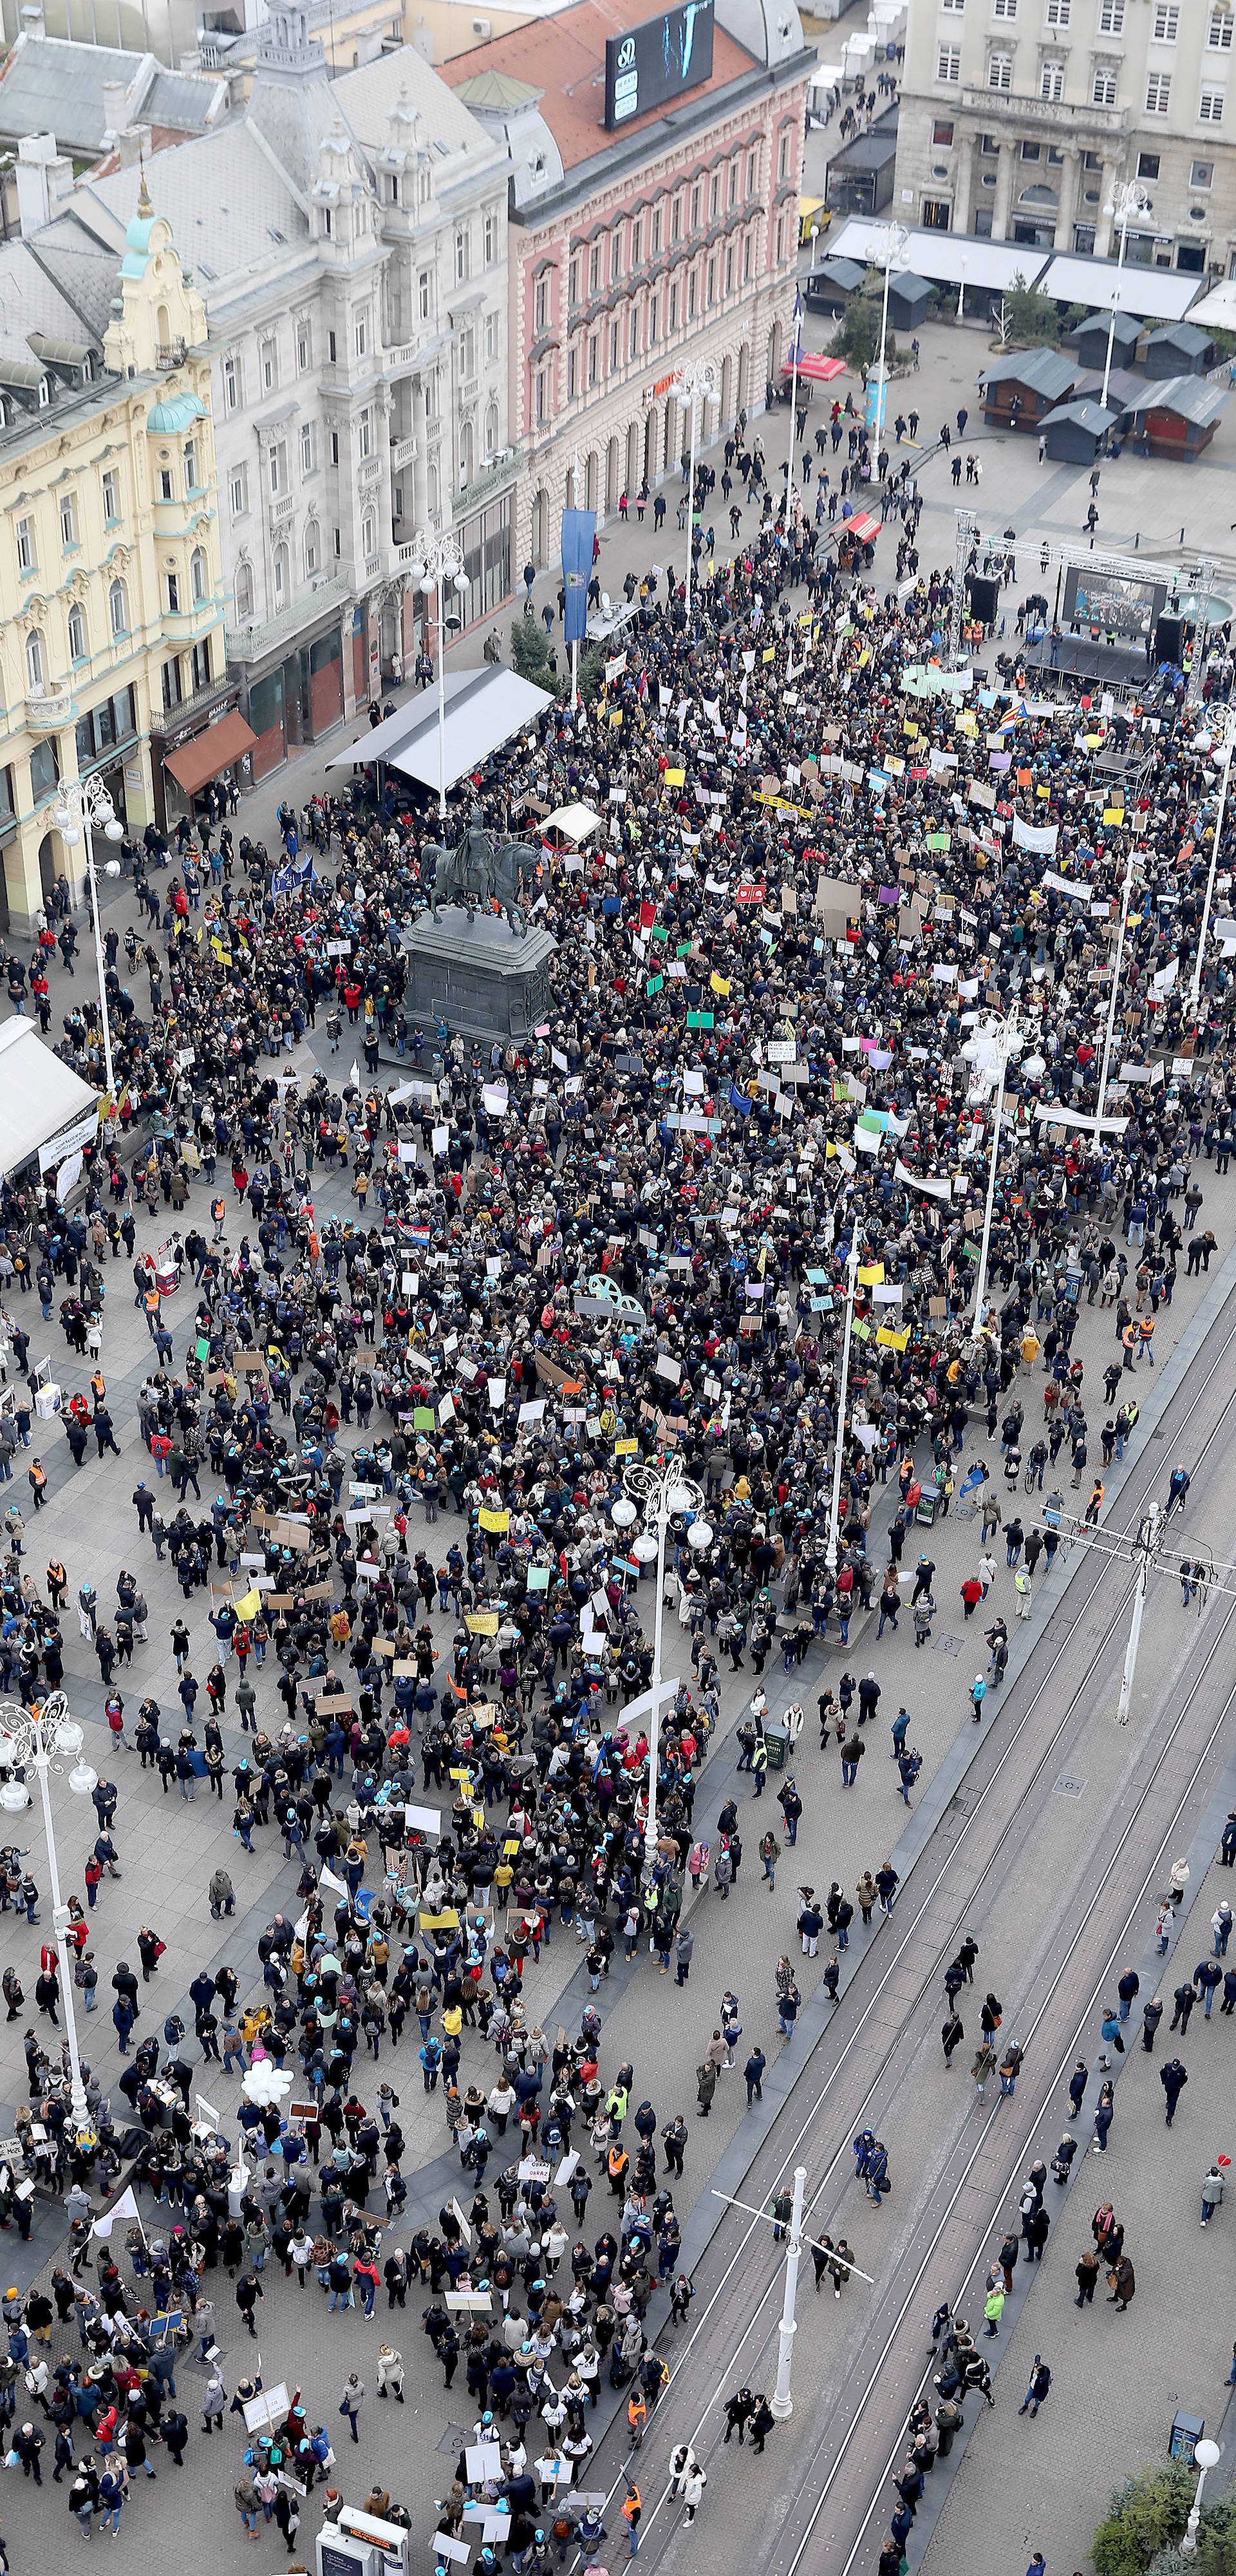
1119	604
657	60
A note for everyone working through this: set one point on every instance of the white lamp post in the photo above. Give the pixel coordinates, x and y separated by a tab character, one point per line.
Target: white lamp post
1127	203
781	2403
84	806
31	1739
696	383
1109	1034
1206	2456
991	1051
1223	737
832	1548
659	1493
438	565
895	253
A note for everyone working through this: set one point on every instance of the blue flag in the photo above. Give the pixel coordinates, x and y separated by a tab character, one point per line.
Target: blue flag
297	873
795	351
739	1100
578	530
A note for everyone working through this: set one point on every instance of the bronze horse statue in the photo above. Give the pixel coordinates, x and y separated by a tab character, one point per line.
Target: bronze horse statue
480	871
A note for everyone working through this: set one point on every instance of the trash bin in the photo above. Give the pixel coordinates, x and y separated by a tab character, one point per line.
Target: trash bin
778	1744
926	1509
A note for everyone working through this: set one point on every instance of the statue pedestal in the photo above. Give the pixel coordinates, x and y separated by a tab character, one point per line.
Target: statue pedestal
478	975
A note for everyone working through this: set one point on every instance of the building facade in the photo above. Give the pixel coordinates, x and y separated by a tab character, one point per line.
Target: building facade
348	240
673	238
111	597
1018	116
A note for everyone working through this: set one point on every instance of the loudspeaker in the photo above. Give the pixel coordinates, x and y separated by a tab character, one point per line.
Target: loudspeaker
1168	638
984	598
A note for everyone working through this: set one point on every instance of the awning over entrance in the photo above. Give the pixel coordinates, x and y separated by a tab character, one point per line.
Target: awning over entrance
209	752
483	710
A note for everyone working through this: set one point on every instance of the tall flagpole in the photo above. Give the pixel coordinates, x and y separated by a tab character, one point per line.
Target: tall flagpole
575	642
791	488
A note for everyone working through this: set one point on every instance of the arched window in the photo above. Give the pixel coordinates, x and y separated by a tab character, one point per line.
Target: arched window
35	665
244	592
118	609
312	548
465	451
491	429
281	576
197	573
77	633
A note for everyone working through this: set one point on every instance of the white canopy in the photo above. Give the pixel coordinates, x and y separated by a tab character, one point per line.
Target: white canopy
1154	294
483	709
39	1098
1217	311
574	822
944	258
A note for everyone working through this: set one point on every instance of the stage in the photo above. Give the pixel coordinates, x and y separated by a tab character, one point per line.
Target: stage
1076	657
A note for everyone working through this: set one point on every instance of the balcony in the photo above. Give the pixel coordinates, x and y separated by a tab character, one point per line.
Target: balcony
259	636
1065	121
47	713
401	361
170	353
492	478
404	451
282	509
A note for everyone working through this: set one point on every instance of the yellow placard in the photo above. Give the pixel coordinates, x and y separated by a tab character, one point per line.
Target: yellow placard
496	1522
445	1922
1113	813
768	653
871	1274
719	984
890	1340
248	1606
675	778
481	1623
625	1448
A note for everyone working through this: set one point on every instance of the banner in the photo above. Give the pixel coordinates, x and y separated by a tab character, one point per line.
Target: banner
578	530
1036	836
297	873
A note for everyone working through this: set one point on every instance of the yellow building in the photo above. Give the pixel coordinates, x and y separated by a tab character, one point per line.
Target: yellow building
111	596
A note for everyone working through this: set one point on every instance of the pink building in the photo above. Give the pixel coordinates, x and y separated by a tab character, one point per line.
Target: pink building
655	176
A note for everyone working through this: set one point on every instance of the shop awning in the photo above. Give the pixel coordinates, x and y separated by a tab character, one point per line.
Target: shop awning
947	259
483	710
215	748
41	1099
862	525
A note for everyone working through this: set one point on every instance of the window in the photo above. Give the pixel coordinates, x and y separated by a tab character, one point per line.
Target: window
274	469
1103	85
780	242
197	575
111	498
542	304
491	239
231	382
44	768
1210	107
1158	93
313	549
334	447
937	214
201	664
613	348
783	157
118	610
752	175
68	520
268	366
304	345
637	243
165	483
424	295
1201	174
1166	22
244	592
573	280
368	536
572	375
1004	8
191	481
1051	78
989	147
360	333
461	257
467	352
1147	165
594	359
594	264
615	252
656	231
541	395
77	633
1000	71
364	430
1030	151
307	458
710	282
1056	14
952	8
491	338
948	62
35	664
172	687
633	325
1111	17
238	491
332	347
25	545
653	322
280	570
171	581
1219	31
942	133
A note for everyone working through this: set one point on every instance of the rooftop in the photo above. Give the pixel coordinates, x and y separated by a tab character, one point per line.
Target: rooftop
565	62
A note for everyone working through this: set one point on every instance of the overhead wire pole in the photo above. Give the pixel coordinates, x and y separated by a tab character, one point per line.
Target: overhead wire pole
999	1043
781	2402
1117	962
1146	1552
834	1509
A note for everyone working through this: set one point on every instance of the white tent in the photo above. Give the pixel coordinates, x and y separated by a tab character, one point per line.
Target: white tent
1153	294
483	709
946	259
573	823
43	1103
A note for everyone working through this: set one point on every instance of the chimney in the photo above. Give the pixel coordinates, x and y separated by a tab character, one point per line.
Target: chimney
33	23
133	145
115	108
39	169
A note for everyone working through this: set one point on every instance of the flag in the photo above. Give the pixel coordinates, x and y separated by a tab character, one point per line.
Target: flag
578	531
796	334
327	1878
354	1076
125	2207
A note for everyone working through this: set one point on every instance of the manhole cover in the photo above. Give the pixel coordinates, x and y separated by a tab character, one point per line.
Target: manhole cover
947	1645
1067	1787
